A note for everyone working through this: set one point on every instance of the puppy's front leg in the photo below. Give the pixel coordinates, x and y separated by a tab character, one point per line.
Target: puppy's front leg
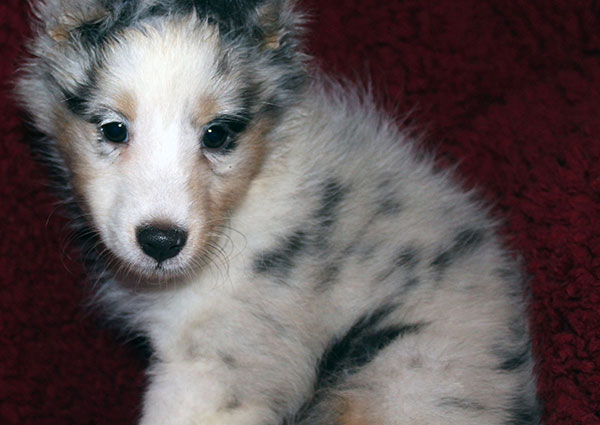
198	393
231	369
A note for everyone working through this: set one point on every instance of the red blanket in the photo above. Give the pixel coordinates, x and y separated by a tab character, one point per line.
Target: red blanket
508	90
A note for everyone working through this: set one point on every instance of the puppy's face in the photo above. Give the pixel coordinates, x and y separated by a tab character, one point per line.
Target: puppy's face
166	148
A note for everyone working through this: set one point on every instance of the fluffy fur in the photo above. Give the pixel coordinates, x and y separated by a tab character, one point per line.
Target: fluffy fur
323	271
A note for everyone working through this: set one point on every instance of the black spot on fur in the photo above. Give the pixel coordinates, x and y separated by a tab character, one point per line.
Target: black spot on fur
75	104
328	275
273	106
91	34
331	198
346	356
233	403
143	348
156	10
77	99
228	360
461	403
291	79
249	97
366	252
227	13
526	410
411	283
314	239
509	275
387	203
388	207
407	258
514	361
360	345
465	242
513	356
327	214
280	261
515	281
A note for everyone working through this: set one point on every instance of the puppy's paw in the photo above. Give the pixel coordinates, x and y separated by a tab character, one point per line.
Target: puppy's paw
184	394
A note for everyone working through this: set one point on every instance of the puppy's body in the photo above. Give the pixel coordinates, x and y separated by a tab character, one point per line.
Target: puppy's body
311	269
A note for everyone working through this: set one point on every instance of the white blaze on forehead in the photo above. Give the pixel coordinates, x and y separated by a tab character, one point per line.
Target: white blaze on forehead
166	67
158	169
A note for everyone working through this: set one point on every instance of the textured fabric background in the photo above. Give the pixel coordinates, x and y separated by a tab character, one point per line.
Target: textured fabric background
509	90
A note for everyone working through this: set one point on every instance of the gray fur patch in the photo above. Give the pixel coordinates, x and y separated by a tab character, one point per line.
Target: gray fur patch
388	207
229	360
513	361
280	261
333	194
346	356
233	403
406	259
525	410
465	242
387	203
359	346
461	403
232	17
328	275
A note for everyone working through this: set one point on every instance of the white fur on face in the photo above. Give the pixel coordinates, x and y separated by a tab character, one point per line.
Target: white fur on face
161	174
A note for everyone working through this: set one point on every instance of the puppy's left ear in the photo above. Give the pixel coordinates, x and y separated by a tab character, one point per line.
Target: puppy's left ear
278	24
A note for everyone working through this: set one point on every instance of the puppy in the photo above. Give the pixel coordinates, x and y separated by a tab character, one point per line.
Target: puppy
290	254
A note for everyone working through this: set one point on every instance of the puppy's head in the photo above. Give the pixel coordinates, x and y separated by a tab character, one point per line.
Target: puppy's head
160	114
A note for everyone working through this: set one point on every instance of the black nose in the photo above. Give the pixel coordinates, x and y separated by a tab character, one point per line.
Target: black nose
161	243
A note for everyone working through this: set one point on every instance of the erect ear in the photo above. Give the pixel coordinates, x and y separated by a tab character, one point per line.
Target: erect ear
58	18
277	24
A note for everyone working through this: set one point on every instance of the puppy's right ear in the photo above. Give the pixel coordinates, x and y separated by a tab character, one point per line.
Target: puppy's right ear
277	24
59	60
63	20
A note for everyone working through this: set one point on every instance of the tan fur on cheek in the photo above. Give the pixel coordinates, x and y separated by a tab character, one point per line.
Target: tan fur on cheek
216	195
69	136
198	188
233	185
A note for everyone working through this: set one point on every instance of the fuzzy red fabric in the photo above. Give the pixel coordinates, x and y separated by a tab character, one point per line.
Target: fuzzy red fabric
509	90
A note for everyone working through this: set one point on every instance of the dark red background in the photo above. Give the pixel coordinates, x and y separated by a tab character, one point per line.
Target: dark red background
510	90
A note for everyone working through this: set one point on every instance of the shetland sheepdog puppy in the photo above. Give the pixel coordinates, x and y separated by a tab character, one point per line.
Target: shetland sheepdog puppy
290	254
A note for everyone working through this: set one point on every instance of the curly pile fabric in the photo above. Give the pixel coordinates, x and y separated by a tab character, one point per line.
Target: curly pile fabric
509	91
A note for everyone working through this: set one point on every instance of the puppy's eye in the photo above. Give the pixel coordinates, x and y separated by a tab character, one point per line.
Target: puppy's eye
115	132
215	136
